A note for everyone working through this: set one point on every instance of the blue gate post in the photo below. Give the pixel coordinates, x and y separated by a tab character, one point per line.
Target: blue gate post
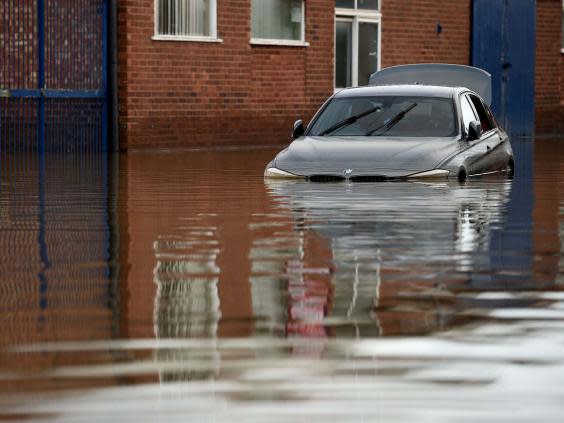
503	43
505	65
520	53
45	264
104	76
41	77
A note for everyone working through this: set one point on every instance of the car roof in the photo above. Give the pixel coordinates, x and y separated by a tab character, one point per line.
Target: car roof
401	90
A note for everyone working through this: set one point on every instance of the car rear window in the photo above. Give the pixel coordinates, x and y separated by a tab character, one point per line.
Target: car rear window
390	116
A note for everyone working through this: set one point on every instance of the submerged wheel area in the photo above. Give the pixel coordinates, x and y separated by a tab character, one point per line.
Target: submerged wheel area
510	169
462	175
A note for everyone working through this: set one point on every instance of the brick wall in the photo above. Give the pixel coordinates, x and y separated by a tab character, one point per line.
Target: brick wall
230	93
409	31
150	217
561	128
234	93
549	70
186	93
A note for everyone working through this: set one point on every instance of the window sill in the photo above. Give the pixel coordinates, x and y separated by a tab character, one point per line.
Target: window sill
284	43
361	13
194	39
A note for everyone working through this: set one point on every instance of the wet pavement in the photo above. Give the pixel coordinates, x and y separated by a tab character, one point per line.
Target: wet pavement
180	286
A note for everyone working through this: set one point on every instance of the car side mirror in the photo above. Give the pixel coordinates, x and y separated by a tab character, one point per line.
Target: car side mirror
474	131
299	129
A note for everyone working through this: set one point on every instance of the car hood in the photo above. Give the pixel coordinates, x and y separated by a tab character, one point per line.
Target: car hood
377	156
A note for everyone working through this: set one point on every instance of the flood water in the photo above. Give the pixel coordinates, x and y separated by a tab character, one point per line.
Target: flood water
180	286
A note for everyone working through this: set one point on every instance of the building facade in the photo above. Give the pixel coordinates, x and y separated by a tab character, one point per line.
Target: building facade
240	72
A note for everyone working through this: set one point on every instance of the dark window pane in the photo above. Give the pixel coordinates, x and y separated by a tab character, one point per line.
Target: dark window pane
485	121
367	51
343	54
368	4
348	4
163	18
563	28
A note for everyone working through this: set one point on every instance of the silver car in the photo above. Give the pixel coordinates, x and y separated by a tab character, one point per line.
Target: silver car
411	122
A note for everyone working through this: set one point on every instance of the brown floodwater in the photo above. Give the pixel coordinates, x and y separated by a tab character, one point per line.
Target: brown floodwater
181	286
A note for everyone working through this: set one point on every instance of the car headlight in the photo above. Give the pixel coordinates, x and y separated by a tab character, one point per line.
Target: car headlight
437	173
276	173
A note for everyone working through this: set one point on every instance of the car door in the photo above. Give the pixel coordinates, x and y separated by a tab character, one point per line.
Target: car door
481	154
493	157
471	151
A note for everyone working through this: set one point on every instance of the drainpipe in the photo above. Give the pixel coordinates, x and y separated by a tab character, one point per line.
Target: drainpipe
113	76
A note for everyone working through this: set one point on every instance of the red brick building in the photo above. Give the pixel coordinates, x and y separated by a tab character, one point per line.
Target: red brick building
239	72
549	78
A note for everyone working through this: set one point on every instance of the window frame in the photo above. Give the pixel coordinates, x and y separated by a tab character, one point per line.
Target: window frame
357	16
356	8
279	41
212	38
463	129
475	101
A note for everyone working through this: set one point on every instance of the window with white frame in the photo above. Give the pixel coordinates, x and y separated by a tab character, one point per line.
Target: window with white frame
357	41
185	19
278	21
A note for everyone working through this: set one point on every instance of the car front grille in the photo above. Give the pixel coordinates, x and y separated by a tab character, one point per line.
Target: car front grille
370	178
363	178
326	178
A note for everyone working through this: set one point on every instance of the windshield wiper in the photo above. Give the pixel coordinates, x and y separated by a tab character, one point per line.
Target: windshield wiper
349	121
394	120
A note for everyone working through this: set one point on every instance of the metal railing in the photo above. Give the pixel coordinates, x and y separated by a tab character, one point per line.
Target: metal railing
53	76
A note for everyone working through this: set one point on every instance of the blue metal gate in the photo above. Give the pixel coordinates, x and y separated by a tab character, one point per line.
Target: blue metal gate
53	76
503	43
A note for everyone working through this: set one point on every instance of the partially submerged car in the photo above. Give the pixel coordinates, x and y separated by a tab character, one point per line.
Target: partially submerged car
412	121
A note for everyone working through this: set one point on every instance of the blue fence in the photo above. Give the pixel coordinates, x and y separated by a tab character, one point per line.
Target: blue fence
53	76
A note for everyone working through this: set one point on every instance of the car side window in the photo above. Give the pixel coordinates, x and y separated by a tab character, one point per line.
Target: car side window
491	117
485	121
467	112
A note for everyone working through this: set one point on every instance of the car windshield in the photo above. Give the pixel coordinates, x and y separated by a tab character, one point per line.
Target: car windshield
395	116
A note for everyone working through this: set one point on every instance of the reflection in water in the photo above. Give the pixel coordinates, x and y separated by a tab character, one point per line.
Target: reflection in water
398	249
560	272
187	301
56	245
240	299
